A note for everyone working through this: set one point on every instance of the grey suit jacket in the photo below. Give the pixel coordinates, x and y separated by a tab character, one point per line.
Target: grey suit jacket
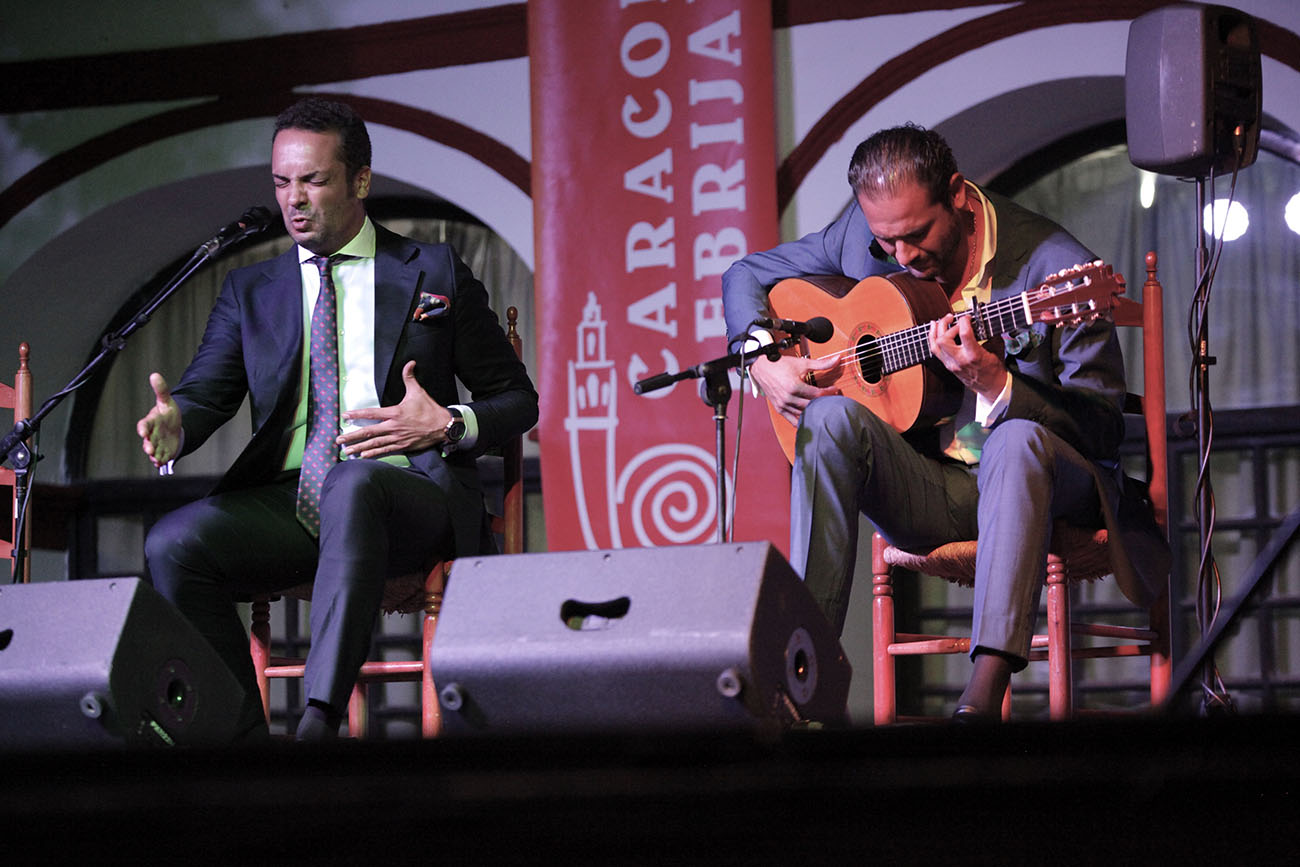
1069	379
253	342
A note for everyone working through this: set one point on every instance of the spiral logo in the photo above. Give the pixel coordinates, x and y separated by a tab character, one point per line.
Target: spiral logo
674	492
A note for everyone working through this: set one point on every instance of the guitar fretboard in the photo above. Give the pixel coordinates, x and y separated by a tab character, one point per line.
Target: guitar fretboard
910	346
902	349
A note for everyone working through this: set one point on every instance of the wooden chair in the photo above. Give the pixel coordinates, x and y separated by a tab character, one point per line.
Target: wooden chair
19	399
1075	555
406	594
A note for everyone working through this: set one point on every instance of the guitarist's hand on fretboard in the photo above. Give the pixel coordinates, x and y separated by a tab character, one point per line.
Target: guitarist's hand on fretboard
953	342
785	382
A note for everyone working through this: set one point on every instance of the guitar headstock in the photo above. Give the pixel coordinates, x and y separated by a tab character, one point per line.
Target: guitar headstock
1076	295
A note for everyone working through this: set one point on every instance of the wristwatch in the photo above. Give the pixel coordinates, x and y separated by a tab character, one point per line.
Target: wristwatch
454	432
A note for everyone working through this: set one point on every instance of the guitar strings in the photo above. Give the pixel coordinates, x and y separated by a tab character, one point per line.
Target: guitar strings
910	339
906	339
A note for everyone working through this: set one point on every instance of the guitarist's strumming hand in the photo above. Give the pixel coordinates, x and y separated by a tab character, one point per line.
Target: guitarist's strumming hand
952	341
785	382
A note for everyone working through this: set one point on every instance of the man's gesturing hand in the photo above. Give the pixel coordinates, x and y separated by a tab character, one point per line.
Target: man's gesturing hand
160	430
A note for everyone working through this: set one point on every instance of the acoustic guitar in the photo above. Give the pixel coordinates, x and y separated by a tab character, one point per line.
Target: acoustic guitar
882	327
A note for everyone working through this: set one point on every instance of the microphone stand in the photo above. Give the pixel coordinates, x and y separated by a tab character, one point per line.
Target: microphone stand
716	392
14	447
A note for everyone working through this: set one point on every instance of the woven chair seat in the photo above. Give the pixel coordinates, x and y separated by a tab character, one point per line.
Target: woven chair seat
1084	551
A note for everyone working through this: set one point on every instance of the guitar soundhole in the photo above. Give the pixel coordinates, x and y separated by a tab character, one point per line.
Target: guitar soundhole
869	360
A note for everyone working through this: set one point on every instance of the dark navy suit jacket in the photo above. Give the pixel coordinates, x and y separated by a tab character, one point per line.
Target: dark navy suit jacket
253	343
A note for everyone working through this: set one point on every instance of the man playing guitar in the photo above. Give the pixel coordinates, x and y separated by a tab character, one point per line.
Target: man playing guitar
1031	437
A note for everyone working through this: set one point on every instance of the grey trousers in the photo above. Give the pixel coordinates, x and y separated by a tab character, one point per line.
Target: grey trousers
848	462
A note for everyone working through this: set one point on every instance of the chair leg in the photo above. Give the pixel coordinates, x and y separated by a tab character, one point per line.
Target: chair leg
359	711
259	647
430	712
1059	651
884	696
1162	665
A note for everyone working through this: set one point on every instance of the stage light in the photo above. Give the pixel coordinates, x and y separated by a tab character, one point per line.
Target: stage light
1226	220
1146	188
1292	213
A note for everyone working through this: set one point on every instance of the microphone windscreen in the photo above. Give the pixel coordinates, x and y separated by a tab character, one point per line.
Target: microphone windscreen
255	219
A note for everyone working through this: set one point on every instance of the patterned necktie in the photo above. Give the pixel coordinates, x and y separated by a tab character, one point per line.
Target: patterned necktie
321	451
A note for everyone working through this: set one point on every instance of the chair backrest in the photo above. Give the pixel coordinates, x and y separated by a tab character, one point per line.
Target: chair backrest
1149	316
17	398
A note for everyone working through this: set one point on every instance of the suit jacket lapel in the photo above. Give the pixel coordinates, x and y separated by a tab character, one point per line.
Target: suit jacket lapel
284	298
397	281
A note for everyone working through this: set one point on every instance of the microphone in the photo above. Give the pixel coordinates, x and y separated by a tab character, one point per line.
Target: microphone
254	220
818	329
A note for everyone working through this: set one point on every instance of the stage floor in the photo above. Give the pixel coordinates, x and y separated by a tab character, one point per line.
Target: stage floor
1081	792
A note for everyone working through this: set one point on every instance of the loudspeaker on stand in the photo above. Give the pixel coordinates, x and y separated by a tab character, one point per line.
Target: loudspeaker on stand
1192	90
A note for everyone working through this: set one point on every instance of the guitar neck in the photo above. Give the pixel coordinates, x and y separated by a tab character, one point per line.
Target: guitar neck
911	346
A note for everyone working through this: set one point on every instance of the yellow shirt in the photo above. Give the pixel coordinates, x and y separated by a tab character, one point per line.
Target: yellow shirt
962	436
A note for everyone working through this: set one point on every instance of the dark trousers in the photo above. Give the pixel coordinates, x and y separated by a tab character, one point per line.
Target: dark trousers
377	521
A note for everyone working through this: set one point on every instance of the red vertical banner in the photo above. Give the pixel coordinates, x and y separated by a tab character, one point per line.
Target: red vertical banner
653	170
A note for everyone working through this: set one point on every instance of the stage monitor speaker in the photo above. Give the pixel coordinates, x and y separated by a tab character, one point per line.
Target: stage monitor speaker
635	640
1192	86
107	662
